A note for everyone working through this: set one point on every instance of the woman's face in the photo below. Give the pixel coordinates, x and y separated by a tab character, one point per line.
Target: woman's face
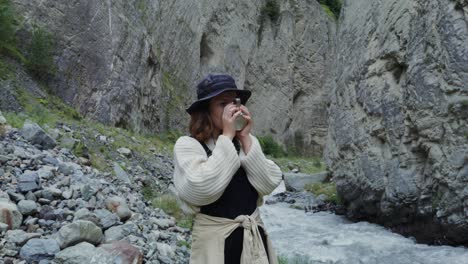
217	105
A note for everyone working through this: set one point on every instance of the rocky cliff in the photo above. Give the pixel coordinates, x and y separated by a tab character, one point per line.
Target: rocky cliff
397	143
135	63
384	89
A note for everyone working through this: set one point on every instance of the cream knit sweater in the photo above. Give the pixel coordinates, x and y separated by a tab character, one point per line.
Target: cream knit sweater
200	180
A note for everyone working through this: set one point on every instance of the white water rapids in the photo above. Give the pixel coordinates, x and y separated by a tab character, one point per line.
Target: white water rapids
328	238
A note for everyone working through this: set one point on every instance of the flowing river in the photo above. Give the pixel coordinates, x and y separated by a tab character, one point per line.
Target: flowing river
328	238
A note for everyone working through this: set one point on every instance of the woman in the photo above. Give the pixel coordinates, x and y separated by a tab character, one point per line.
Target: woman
222	175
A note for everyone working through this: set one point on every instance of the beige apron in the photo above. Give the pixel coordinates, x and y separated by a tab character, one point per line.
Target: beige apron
209	233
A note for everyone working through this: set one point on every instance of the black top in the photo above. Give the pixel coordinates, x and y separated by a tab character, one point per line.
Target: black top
239	197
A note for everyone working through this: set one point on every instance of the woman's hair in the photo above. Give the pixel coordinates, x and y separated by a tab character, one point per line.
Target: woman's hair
201	125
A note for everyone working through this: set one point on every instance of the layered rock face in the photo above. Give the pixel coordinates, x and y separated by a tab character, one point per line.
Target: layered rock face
397	143
135	64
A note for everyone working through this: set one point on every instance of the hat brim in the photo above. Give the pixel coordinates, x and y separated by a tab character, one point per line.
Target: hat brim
244	95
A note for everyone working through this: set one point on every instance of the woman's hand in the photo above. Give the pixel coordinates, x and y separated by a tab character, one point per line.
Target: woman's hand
244	134
230	114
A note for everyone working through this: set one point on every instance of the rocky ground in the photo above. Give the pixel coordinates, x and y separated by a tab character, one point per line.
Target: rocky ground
57	207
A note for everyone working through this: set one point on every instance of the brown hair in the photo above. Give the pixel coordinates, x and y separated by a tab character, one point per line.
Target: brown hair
201	125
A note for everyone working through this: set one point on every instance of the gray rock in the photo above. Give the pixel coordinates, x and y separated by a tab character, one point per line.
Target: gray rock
165	250
107	219
118	206
119	232
31	196
46	172
119	252
27	207
83	252
19	237
38	249
121	174
87	191
29	181
51	193
79	231
68	168
36	135
68	194
10	215
3	227
85	214
296	182
124	151
15	196
164	223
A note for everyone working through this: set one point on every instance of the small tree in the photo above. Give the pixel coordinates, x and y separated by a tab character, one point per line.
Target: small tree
8	27
40	60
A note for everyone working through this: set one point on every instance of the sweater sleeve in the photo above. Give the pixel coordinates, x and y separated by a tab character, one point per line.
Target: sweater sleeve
200	180
262	173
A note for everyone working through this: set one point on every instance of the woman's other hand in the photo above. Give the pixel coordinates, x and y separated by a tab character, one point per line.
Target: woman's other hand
243	135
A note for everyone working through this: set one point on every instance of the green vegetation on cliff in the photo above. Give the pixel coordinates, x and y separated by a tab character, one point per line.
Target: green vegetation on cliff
332	7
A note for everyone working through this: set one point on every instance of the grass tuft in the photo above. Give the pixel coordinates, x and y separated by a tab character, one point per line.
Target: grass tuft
328	188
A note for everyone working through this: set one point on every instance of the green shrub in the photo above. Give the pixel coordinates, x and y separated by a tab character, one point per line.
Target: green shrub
80	150
14	119
270	147
328	188
309	165
294	260
170	206
40	60
8	22
333	6
183	243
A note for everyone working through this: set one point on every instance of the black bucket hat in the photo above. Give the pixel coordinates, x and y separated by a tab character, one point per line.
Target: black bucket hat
213	85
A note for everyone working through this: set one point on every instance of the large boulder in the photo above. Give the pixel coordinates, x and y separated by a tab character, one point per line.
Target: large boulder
36	135
397	141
